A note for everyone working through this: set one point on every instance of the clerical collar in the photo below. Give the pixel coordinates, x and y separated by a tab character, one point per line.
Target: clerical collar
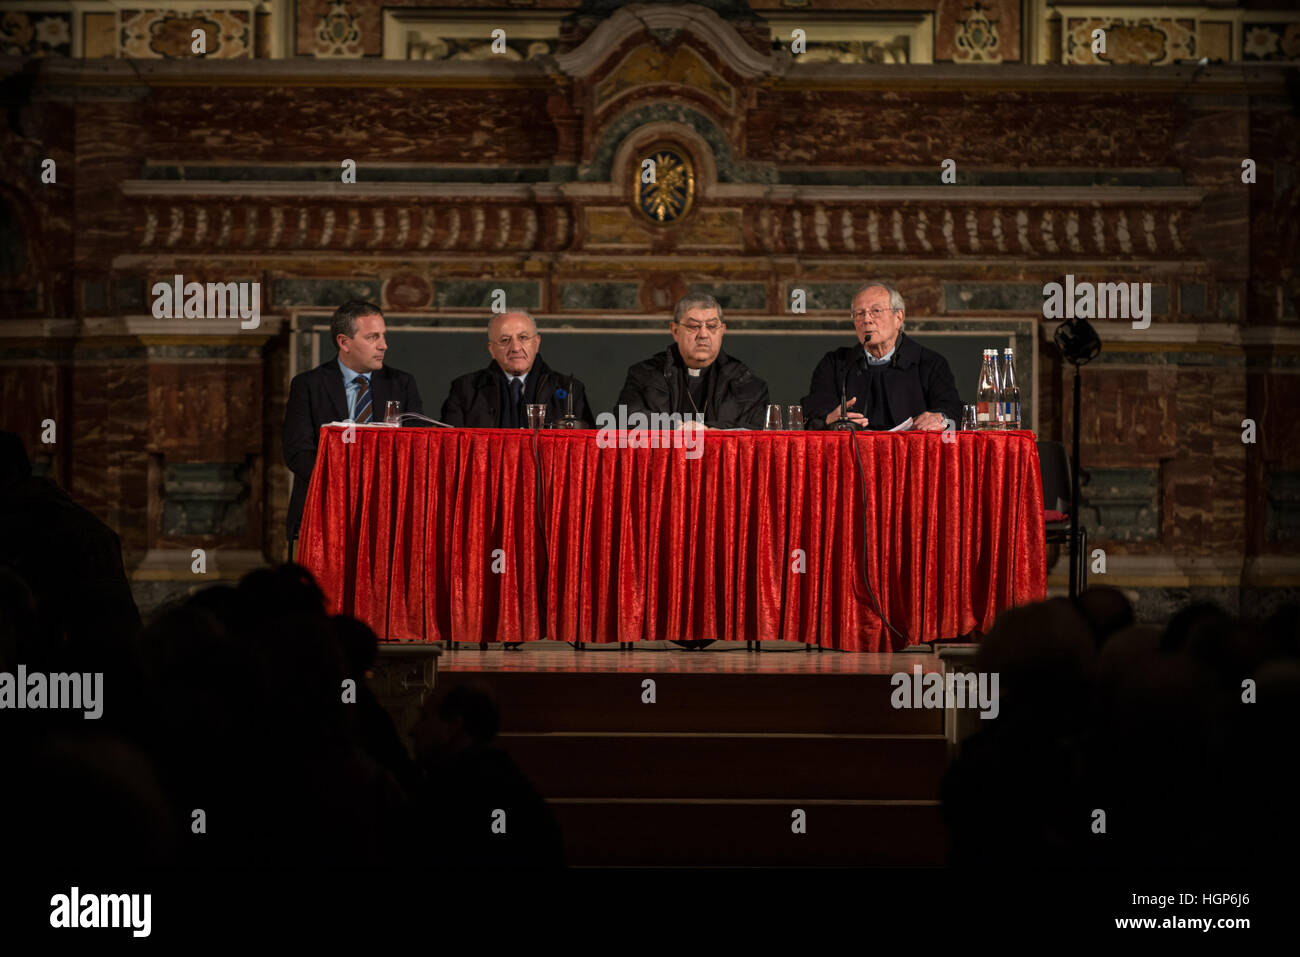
694	372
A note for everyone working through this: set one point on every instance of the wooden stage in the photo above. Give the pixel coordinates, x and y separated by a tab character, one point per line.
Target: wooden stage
706	758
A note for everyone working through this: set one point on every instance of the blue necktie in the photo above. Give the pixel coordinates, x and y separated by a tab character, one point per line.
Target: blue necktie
363	400
517	401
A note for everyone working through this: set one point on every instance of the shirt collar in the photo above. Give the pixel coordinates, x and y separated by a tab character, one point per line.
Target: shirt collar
349	374
883	360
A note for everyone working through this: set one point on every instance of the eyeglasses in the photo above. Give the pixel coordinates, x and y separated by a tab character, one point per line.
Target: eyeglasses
877	313
694	328
523	339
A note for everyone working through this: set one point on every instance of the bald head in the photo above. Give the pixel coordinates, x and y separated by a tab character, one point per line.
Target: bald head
497	318
513	341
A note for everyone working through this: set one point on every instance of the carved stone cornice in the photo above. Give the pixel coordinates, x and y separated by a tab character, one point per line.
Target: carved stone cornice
1002	222
639	17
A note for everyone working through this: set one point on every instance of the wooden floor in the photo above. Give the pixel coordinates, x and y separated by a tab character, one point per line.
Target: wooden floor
555	657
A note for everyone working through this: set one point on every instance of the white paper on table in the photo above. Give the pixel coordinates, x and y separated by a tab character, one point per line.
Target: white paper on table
905	424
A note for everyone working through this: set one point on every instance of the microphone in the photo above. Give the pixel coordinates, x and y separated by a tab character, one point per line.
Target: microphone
843	424
569	421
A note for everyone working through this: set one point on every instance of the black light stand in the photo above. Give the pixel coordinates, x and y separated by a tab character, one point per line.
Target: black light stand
1079	344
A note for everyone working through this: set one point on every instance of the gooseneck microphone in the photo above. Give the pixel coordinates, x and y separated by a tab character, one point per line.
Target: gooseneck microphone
569	421
843	424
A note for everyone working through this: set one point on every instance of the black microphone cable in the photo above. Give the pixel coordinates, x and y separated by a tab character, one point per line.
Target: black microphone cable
862	479
541	531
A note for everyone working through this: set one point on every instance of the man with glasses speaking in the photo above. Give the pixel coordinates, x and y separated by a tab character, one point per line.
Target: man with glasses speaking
887	377
694	377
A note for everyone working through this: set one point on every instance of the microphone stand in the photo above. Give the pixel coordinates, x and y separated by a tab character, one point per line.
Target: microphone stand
842	424
569	421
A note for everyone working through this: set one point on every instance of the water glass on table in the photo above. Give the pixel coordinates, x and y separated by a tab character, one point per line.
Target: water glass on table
536	415
968	420
392	409
773	423
794	418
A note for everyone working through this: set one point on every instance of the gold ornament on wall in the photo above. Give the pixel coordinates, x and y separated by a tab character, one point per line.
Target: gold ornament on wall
664	183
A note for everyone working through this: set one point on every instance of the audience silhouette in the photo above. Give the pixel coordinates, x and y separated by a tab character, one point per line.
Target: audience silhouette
239	728
1126	745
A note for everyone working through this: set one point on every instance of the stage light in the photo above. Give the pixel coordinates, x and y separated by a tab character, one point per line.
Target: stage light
1078	341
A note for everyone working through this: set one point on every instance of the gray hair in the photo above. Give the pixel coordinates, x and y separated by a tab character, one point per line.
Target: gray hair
694	300
895	297
511	312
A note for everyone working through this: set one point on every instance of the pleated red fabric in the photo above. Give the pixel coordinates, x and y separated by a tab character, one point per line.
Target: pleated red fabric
433	535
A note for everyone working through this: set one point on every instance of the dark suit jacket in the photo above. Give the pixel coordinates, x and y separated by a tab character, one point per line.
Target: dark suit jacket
317	397
917	380
475	398
737	399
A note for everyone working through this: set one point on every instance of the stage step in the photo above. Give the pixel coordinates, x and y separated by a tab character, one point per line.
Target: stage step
848	766
722	703
699	833
710	773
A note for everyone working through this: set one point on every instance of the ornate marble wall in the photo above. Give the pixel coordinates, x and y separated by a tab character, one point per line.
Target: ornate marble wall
522	173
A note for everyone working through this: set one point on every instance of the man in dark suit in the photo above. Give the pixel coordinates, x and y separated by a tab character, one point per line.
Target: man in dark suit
694	377
355	385
495	397
889	376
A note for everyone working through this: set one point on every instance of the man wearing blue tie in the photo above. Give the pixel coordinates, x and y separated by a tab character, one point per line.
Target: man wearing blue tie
355	385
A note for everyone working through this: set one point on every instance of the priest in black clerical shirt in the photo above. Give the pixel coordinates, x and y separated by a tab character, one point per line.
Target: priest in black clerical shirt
890	378
694	377
495	397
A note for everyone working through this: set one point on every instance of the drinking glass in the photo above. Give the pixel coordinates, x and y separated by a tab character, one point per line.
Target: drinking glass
536	415
774	419
968	421
392	410
794	417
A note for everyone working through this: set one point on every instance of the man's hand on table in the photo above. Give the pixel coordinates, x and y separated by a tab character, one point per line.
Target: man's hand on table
929	422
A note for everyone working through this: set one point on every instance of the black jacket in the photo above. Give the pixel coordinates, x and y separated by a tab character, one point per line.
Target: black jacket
475	399
736	398
317	397
917	380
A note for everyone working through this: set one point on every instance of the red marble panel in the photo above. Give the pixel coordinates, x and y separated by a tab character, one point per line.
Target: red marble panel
205	413
984	128
330	124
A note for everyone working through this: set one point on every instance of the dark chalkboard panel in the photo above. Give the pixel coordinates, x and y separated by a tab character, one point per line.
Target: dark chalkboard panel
601	357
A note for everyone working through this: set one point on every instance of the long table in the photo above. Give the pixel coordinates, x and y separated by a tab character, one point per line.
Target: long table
440	534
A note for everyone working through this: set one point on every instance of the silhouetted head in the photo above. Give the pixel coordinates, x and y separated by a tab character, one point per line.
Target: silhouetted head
462	717
17	619
360	645
1106	611
15	466
1206	632
284	591
1043	655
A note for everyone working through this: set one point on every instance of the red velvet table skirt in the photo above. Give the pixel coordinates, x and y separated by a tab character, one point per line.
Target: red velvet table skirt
433	535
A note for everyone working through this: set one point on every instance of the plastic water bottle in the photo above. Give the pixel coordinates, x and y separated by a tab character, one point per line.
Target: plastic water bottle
1010	392
988	395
